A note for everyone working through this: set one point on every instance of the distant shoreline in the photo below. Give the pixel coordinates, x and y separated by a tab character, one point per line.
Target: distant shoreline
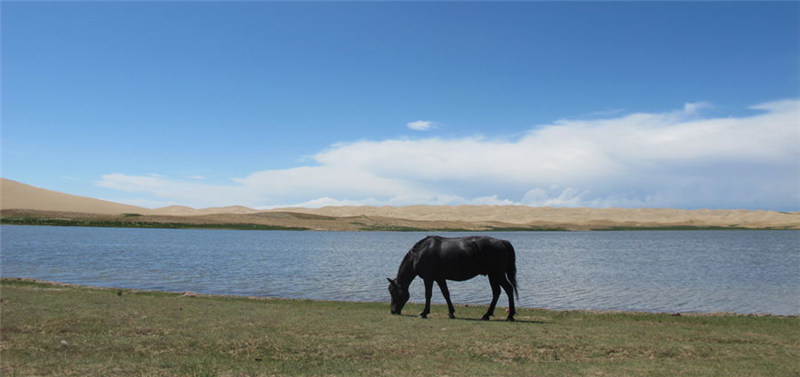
32	221
177	222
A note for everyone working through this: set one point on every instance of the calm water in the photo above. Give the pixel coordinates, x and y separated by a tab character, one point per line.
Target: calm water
663	271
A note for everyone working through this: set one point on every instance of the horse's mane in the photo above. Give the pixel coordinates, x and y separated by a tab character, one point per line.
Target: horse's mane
417	246
405	273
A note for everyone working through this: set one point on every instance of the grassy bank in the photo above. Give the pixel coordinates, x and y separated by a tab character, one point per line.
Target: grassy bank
53	330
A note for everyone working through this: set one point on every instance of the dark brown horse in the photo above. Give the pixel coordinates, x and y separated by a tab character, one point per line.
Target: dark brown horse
438	259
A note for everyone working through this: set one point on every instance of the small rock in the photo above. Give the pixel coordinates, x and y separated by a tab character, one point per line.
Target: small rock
189	294
64	343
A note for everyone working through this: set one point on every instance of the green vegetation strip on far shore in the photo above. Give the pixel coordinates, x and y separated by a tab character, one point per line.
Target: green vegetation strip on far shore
129	221
14	220
57	330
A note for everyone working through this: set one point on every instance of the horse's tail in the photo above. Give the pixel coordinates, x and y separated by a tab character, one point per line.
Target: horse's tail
511	270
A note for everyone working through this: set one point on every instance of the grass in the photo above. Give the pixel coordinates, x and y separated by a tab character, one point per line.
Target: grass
55	330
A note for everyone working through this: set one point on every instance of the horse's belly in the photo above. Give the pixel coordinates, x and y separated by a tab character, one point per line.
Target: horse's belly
462	276
449	274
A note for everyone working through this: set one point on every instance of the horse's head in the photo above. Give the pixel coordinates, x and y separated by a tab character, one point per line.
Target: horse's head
399	295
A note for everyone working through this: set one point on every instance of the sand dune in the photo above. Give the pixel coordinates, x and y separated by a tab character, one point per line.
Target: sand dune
19	196
16	195
189	211
574	218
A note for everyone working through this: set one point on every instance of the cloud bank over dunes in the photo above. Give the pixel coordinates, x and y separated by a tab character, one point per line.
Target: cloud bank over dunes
677	159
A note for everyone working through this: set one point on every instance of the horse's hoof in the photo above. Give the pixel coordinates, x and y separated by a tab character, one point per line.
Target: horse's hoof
485	318
510	319
452	316
423	316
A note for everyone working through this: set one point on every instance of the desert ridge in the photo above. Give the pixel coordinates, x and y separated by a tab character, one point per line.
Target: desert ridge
189	211
19	198
589	218
17	195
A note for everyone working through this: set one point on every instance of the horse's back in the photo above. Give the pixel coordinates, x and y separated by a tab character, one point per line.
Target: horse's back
462	258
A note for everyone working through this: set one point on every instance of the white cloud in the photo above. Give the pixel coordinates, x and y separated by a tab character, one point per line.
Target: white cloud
671	159
538	197
144	202
692	108
421	125
326	202
168	191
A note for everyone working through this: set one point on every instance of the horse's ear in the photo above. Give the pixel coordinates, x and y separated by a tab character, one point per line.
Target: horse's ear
390	281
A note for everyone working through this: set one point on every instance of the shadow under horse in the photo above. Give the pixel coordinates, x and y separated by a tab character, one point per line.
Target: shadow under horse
438	259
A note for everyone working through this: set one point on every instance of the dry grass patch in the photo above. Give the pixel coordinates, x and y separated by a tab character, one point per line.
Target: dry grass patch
49	330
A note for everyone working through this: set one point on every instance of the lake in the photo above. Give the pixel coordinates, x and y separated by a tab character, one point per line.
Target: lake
658	271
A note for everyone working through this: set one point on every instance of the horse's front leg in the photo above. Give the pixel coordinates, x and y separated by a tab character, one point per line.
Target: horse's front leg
428	294
446	293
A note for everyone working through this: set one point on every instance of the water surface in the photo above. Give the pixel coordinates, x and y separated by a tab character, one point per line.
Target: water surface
662	271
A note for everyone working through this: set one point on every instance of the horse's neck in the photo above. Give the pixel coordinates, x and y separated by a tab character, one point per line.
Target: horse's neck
406	273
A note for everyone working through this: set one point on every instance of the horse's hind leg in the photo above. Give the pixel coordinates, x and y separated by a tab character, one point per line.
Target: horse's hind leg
510	292
495	295
446	293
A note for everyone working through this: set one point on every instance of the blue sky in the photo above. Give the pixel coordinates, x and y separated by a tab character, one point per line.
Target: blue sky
267	104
